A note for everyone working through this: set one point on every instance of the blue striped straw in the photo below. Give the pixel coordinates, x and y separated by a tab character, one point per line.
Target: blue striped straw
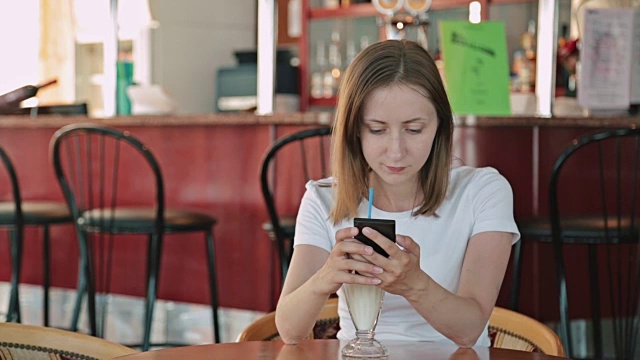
370	200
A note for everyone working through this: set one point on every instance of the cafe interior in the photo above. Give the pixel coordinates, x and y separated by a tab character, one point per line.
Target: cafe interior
154	154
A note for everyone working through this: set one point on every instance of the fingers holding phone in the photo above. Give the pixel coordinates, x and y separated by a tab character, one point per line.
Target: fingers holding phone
385	227
341	267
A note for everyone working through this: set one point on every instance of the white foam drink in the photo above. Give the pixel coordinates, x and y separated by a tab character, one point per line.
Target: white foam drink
364	303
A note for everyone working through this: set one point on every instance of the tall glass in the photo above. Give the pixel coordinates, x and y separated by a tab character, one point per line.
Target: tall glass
365	303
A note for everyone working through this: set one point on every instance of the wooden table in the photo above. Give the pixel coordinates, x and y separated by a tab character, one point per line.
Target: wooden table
330	349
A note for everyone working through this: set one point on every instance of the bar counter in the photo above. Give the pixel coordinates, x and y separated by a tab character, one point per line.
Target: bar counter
211	163
310	118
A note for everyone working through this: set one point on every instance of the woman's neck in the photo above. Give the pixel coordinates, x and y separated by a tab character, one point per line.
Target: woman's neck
395	199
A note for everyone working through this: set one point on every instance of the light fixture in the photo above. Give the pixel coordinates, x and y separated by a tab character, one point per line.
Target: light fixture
475	12
388	7
415	7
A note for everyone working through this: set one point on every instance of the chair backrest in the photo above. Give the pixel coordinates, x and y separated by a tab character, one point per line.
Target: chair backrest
511	330
15	190
90	162
597	175
35	342
264	328
100	169
508	329
298	158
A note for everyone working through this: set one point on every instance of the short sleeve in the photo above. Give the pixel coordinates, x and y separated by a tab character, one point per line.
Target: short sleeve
312	226
493	204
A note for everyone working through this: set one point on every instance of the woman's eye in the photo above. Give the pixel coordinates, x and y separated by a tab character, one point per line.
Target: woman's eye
376	131
414	131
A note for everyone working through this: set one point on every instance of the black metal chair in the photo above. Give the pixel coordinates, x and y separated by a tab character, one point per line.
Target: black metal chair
305	156
583	229
608	164
16	225
15	215
87	160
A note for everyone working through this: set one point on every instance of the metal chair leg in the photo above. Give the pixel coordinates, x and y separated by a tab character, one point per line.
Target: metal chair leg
514	302
155	250
565	328
595	301
45	276
86	284
213	287
13	313
81	290
91	297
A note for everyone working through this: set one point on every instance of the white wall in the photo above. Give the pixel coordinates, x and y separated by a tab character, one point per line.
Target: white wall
194	39
20	29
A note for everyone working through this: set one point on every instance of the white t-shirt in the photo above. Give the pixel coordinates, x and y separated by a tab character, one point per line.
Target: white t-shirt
478	200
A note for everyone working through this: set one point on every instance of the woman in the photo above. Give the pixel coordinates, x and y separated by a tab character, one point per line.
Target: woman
393	132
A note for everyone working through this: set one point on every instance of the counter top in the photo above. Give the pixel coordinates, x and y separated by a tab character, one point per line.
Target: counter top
310	118
49	121
527	121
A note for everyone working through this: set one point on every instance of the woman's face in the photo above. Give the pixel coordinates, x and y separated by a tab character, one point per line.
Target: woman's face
398	127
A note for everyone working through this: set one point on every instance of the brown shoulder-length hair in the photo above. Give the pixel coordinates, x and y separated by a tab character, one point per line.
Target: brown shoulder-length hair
387	63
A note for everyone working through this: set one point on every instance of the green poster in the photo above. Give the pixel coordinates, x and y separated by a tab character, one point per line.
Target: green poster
476	67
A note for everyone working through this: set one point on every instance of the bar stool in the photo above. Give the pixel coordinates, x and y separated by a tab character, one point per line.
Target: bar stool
87	159
17	214
307	152
576	230
608	164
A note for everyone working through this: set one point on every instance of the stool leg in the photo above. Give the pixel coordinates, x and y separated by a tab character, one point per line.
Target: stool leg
85	284
81	289
91	292
213	287
154	250
595	301
514	302
16	263
45	275
565	328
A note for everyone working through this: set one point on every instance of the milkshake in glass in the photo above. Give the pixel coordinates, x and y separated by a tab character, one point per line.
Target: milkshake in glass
365	303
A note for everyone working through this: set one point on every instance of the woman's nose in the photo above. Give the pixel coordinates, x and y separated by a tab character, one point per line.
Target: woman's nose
395	147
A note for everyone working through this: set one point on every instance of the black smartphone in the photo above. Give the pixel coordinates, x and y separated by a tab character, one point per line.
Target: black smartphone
383	226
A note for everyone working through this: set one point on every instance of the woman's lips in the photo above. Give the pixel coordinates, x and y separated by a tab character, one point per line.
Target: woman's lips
395	169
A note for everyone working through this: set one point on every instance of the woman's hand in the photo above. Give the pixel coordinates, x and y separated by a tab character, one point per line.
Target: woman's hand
340	266
402	274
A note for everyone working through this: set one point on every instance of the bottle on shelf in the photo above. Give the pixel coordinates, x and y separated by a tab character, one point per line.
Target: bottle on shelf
364	42
564	36
527	73
13	98
335	64
318	89
351	51
561	73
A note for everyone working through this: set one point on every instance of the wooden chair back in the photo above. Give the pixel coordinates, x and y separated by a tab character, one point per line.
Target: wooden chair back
264	329
511	330
507	329
34	342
